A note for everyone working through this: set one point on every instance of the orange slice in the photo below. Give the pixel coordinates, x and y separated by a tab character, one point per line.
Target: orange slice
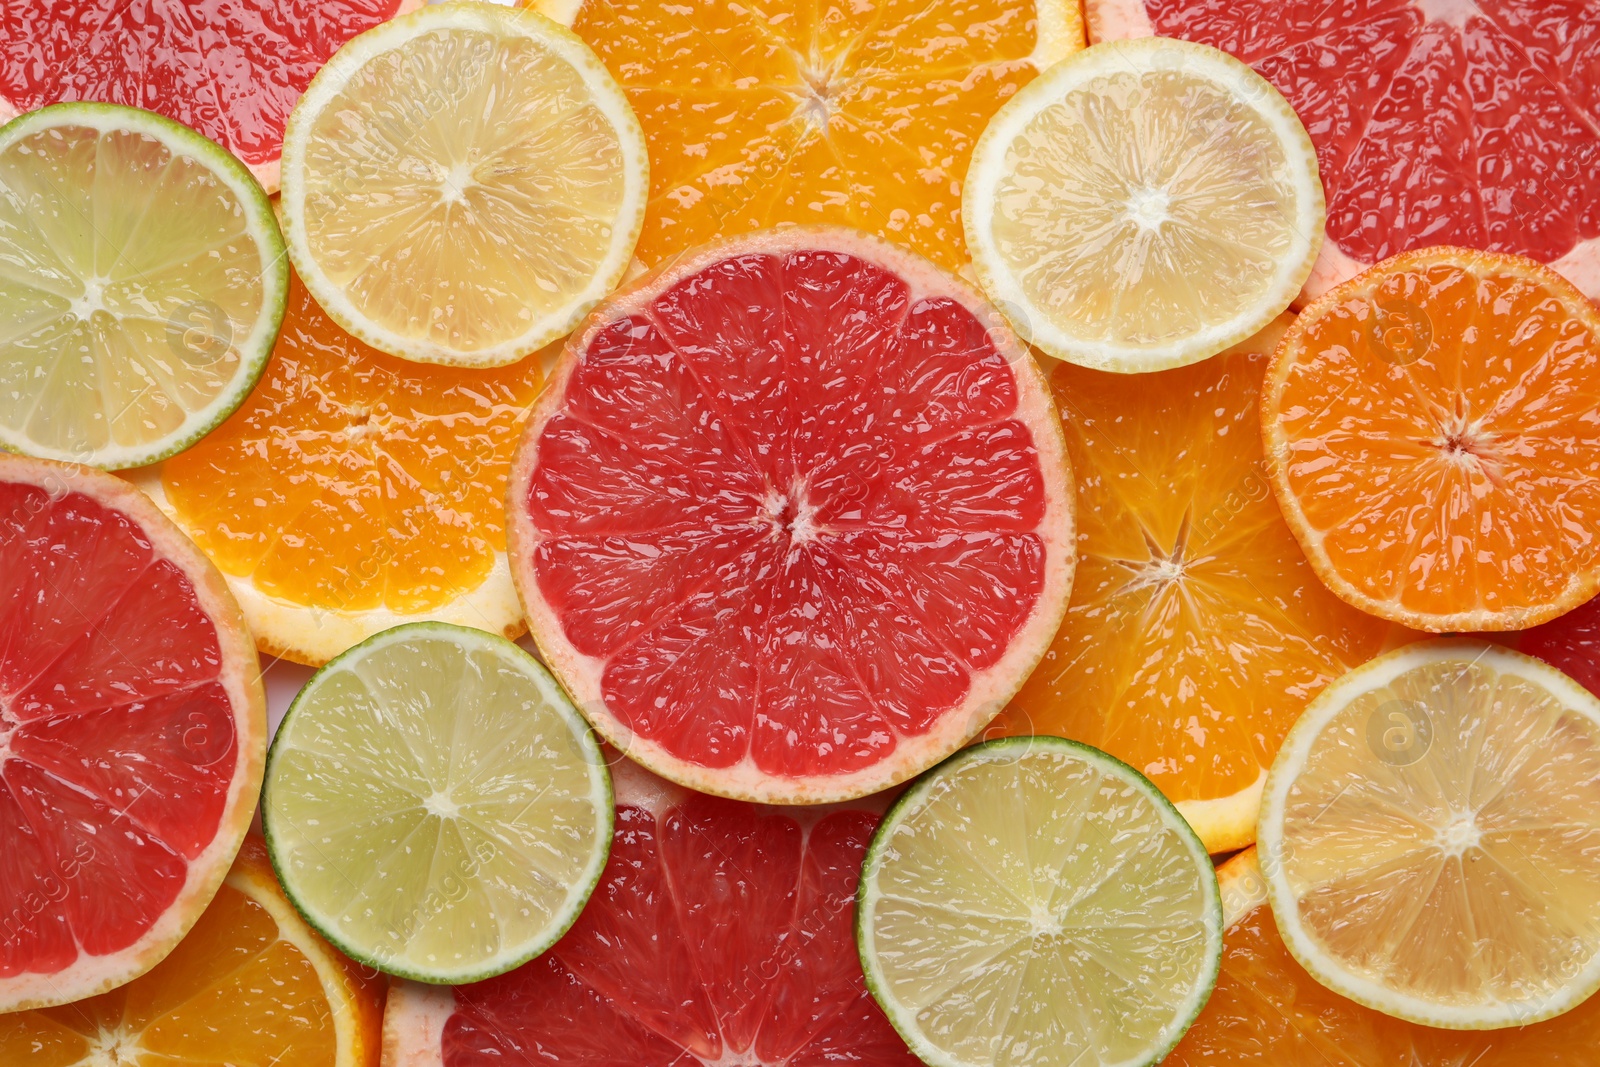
861	114
1430	436
1266	1011
250	986
354	491
1196	632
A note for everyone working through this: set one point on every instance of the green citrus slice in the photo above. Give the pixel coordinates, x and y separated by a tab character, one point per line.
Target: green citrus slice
462	184
435	806
1036	901
142	284
1430	837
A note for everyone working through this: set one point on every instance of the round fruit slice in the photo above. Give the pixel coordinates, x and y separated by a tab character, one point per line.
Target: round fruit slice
1036	900
1429	430
231	71
1197	632
1570	643
250	984
353	491
1430	835
793	519
462	184
132	731
1268	1012
435	806
143	285
720	934
1144	204
859	114
1435	121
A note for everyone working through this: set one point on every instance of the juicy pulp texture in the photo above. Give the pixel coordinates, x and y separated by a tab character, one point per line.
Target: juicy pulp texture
117	736
350	480
1570	643
232	70
1466	122
862	114
1197	632
789	511
720	933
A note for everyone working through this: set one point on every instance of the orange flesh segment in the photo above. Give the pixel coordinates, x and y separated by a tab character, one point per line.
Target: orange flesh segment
1197	632
797	111
351	480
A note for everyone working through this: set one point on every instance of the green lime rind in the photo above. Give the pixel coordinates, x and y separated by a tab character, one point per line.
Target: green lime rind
1011	749
601	797
261	227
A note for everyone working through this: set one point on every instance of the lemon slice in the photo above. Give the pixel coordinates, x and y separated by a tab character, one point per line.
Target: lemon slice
1143	204
1430	837
142	284
1035	901
435	806
461	184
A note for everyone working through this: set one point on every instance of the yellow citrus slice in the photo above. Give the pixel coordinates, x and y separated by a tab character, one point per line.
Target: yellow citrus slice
1430	836
461	184
1144	204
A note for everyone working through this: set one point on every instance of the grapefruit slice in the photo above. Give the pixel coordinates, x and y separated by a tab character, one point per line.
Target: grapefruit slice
132	733
720	933
793	519
1467	122
1570	643
232	71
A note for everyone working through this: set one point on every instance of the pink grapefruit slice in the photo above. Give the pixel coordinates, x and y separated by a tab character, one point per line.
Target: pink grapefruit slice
132	733
793	519
1436	122
233	71
720	933
1570	643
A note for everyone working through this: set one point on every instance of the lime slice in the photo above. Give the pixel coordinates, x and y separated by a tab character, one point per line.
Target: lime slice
1035	901
142	284
1143	204
1430	837
435	806
461	184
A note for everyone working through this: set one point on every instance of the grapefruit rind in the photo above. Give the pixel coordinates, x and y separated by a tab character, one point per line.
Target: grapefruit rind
601	796
991	688
396	34
997	276
261	227
1581	585
240	677
1272	847
1008	749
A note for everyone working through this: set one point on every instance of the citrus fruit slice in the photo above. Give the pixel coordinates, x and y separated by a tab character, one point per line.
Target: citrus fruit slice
1034	900
1268	1012
1429	430
1428	835
1197	632
250	984
793	519
1570	643
435	806
1468	122
231	71
462	183
142	277
860	114
720	934
353	491
1144	204
132	731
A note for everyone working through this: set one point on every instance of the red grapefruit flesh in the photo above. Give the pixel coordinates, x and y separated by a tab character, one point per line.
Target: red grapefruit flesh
1570	643
793	519
1436	122
720	932
132	733
232	69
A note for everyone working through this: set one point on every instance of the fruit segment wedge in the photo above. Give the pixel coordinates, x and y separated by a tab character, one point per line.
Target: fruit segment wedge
793	519
132	733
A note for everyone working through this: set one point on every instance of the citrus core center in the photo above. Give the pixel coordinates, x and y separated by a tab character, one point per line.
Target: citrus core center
1459	834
